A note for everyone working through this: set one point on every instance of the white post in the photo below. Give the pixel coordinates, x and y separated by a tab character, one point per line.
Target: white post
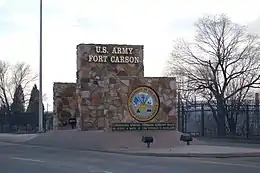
40	75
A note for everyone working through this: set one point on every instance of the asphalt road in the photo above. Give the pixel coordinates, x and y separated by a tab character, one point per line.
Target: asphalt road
30	159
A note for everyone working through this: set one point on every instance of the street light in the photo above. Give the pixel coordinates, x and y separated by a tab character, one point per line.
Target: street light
40	75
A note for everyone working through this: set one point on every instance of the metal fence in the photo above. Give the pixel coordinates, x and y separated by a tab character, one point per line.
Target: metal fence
23	123
198	120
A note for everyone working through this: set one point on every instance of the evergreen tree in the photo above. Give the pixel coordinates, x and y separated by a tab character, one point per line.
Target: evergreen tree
3	110
18	100
33	105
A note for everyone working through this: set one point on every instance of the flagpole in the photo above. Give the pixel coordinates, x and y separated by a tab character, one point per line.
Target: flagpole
40	75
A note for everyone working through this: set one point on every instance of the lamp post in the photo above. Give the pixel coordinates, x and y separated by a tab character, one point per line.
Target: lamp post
40	75
48	107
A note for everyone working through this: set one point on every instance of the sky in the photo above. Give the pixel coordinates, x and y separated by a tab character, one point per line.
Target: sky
67	23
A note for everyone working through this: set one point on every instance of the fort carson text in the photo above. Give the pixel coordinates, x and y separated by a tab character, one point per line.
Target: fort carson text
117	55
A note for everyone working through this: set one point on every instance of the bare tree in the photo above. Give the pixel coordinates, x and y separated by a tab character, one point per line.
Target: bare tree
11	76
221	64
4	83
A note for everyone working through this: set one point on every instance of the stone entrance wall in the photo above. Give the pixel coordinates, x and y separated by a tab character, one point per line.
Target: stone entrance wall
102	89
65	104
110	105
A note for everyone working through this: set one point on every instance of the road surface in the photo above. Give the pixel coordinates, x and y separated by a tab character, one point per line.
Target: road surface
30	159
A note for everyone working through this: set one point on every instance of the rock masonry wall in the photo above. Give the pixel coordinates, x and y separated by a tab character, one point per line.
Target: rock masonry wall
102	89
65	104
107	104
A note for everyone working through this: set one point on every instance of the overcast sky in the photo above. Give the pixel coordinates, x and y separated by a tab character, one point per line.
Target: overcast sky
153	23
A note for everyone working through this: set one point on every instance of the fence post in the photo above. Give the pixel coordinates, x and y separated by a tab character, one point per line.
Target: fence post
202	120
179	112
257	113
182	118
247	121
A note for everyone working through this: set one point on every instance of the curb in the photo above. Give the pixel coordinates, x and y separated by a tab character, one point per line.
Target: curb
194	155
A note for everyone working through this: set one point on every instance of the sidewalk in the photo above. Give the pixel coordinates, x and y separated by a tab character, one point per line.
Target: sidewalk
251	140
205	151
5	137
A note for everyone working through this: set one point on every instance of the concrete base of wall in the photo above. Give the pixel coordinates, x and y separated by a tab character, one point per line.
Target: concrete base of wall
108	140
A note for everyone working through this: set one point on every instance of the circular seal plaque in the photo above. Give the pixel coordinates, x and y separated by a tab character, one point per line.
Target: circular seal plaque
143	104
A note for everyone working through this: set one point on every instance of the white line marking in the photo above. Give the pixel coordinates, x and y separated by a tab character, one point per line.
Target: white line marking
8	144
27	159
107	172
96	170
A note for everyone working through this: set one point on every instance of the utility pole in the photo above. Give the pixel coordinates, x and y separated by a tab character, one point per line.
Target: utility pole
40	75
